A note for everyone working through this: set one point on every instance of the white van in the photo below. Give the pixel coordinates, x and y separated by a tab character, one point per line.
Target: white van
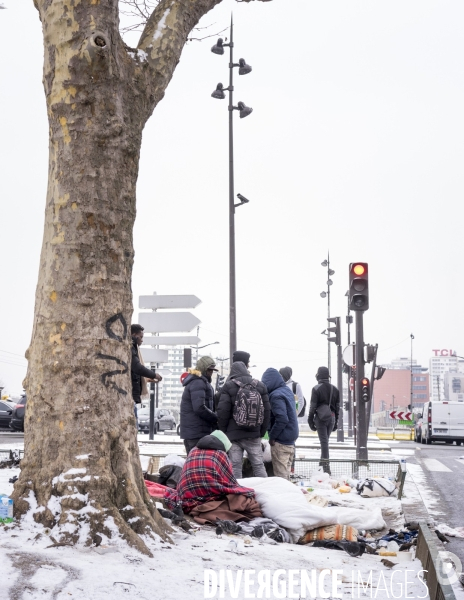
442	422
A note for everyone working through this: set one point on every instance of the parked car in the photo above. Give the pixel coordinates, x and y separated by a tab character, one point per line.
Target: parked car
164	420
17	417
6	410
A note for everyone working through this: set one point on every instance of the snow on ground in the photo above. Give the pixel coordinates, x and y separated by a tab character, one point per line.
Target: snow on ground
32	571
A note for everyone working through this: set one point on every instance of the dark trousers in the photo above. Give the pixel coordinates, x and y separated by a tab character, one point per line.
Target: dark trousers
324	429
190	445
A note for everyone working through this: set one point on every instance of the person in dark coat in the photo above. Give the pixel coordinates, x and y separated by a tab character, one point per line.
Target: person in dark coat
139	372
197	416
242	438
284	429
323	412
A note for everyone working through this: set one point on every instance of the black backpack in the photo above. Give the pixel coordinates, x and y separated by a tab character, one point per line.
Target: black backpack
248	408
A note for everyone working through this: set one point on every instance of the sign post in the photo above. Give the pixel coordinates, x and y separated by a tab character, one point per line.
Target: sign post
165	322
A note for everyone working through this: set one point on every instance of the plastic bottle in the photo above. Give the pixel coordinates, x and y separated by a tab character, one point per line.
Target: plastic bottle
6	509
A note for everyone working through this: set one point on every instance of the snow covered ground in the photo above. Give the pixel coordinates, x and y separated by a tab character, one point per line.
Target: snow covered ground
32	570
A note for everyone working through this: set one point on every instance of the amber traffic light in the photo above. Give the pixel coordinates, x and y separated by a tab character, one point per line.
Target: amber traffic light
365	389
359	286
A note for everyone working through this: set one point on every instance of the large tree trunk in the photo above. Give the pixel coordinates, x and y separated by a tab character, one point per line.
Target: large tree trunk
81	472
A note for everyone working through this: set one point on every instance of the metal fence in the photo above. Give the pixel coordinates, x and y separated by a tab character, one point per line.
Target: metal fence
428	554
354	468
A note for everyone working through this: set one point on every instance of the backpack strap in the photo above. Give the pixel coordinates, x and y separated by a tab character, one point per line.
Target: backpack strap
294	387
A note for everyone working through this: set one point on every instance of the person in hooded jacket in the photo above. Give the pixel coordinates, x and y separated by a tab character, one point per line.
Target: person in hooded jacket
284	430
323	412
242	438
197	416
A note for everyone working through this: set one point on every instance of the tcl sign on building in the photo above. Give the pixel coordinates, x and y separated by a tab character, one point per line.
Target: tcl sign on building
444	352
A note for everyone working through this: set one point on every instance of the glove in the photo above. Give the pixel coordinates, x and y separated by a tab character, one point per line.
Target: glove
272	442
312	425
335	426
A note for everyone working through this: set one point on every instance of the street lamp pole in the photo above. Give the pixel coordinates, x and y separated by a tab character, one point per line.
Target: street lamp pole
412	378
232	294
326	263
244	69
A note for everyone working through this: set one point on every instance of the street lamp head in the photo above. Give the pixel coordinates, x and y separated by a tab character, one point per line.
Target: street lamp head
329	282
244	110
323	294
331	272
218	47
324	263
243	69
219	92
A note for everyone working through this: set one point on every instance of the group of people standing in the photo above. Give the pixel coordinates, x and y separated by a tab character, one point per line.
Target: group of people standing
277	401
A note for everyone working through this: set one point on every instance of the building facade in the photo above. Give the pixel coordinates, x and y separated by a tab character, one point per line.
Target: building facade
442	362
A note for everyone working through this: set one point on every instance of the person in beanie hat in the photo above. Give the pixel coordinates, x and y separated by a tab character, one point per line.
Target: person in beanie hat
243	438
197	416
287	373
323	412
240	356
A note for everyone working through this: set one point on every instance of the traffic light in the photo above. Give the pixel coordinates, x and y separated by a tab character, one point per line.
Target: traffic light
345	405
359	286
379	371
369	352
220	380
365	389
337	338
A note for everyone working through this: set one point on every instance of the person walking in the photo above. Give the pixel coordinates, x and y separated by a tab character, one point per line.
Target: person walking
197	416
244	437
139	372
323	412
283	431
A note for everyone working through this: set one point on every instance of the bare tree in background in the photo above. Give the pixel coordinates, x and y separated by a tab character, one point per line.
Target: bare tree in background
81	474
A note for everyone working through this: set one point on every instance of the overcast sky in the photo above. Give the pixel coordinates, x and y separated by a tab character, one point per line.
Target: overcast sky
355	145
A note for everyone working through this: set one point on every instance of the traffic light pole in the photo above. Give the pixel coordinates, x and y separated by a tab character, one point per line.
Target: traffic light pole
340	432
361	441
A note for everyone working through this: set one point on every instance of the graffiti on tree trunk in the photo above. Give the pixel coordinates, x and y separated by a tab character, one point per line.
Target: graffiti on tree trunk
106	377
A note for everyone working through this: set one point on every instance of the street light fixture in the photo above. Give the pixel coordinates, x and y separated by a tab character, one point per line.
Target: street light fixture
244	111
326	294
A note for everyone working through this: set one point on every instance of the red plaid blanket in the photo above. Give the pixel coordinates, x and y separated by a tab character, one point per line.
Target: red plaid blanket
206	475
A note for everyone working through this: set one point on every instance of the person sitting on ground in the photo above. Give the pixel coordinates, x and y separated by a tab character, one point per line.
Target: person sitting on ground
284	430
197	416
207	476
323	412
243	437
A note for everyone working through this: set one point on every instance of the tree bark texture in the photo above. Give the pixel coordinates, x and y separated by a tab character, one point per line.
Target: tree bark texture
81	473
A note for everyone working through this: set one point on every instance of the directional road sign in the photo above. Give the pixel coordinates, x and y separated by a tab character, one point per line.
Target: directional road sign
155	301
156	322
154	355
171	340
401	415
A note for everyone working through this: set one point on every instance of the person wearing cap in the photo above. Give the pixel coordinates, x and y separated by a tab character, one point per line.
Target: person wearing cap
197	416
287	373
323	412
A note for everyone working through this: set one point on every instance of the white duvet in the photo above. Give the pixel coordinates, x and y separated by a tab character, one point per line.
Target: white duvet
284	503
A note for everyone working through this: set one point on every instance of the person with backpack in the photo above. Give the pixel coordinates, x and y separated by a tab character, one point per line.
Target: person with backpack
323	412
283	431
300	400
243	415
